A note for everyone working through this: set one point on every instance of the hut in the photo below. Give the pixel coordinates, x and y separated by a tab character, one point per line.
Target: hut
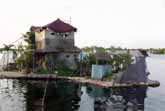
8	60
102	66
55	43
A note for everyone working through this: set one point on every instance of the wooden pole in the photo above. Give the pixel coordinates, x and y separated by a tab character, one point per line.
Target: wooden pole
7	60
45	90
33	60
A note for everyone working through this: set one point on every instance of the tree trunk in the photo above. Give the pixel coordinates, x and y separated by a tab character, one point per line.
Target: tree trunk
7	60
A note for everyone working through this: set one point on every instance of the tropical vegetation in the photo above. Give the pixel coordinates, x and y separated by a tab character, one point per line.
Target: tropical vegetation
27	52
118	62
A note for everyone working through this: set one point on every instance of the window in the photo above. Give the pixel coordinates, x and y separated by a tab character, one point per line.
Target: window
66	34
52	33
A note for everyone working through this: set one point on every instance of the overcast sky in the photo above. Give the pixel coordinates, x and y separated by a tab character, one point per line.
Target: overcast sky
126	23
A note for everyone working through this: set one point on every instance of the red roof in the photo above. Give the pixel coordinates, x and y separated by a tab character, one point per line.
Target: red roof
60	26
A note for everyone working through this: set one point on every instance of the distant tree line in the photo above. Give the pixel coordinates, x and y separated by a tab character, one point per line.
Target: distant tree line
157	51
101	49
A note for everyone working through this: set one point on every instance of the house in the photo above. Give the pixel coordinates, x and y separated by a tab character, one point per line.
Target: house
8	60
55	43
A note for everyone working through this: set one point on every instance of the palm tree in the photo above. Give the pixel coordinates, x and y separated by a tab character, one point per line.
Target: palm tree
26	59
29	38
7	48
20	61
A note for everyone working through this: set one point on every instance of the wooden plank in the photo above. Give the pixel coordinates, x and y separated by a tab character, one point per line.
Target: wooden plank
80	80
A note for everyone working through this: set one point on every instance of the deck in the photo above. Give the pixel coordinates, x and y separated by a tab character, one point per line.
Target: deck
79	80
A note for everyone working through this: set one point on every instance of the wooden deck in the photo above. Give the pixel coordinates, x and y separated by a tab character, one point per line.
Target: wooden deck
80	80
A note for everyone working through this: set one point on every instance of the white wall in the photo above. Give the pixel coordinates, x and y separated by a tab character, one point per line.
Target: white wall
40	35
4	57
49	35
45	39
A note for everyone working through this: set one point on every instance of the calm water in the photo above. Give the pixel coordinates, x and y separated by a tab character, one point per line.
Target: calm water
61	96
156	96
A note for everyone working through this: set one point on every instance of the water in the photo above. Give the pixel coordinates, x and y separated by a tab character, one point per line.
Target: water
156	96
62	96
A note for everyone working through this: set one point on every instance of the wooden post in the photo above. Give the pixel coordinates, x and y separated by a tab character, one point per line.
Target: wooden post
7	60
33	59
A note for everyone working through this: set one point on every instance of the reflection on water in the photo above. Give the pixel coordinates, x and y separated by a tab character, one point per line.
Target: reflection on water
60	96
63	96
11	96
124	99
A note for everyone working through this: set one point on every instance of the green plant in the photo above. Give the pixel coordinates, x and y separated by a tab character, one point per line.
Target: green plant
121	62
59	69
43	71
26	58
109	77
62	70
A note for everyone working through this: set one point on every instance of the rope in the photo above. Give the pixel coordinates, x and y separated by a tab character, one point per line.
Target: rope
43	99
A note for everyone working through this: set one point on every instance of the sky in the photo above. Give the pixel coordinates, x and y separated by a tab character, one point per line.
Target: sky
125	23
